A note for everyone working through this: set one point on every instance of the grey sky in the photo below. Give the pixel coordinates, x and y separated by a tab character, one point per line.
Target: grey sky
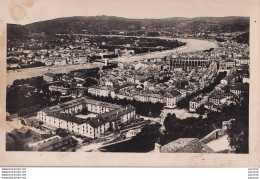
50	9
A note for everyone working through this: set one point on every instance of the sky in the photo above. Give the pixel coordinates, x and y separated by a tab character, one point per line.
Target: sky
28	11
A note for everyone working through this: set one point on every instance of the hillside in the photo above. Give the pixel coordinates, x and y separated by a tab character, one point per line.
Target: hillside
105	24
243	38
16	31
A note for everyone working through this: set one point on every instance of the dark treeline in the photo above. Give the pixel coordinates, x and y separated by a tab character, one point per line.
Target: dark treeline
28	96
26	65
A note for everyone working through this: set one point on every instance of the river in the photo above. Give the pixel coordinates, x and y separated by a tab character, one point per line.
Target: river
192	46
39	71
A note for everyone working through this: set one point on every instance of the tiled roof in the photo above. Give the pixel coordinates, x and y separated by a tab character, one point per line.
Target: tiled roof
68	117
110	116
186	145
77	102
172	93
51	142
49	74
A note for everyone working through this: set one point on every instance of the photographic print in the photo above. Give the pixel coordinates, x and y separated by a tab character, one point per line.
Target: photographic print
133	77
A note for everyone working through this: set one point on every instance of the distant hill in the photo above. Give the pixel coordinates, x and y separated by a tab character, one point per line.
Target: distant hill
243	38
99	24
16	31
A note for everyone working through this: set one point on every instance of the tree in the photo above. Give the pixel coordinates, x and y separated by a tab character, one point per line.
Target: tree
144	141
201	110
89	82
170	121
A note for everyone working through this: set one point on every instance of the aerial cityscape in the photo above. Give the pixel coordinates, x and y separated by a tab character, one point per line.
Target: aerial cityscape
114	84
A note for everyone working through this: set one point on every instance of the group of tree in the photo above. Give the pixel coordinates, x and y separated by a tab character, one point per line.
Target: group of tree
110	66
27	96
26	65
91	72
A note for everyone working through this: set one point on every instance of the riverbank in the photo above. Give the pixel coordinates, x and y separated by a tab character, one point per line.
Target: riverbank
39	71
192	45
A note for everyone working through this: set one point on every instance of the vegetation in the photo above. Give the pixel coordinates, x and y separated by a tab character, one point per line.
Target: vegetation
28	96
35	64
242	38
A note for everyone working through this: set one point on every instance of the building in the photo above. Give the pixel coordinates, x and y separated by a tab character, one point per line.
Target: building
242	61
222	65
217	98
239	88
99	91
188	62
230	79
230	64
172	97
146	96
195	103
110	117
61	89
49	77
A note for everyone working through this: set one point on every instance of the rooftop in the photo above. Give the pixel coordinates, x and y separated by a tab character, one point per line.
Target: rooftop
68	117
110	116
186	145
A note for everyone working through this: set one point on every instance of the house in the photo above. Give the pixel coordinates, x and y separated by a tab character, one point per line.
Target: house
110	116
172	97
55	143
60	62
239	88
230	79
61	89
230	64
99	91
40	134
242	61
217	98
48	62
49	77
183	145
195	103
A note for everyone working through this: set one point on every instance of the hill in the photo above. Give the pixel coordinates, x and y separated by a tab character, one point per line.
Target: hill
105	24
243	38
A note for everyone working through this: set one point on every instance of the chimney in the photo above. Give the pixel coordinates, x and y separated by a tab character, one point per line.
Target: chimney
157	148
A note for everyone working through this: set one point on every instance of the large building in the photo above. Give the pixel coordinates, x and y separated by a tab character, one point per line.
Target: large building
101	91
109	117
61	89
49	77
181	62
172	97
195	103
